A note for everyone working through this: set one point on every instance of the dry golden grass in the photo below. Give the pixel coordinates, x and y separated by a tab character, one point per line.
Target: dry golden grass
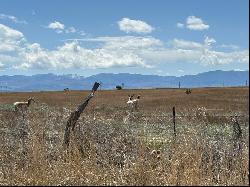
112	146
227	99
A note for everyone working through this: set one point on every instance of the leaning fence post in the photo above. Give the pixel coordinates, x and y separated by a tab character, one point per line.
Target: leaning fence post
237	134
76	114
174	121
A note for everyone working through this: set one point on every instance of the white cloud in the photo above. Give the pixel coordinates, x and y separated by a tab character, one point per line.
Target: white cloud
188	51
209	41
61	28
124	51
126	42
128	25
1	65
8	33
166	56
12	18
72	55
239	70
194	23
56	26
10	39
180	25
8	59
210	57
183	44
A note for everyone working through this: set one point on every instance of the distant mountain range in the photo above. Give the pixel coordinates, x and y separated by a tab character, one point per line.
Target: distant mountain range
50	82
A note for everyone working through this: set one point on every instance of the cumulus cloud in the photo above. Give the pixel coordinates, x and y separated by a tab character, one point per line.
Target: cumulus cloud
72	55
61	28
124	51
10	39
57	26
194	23
188	51
9	34
128	25
12	18
215	57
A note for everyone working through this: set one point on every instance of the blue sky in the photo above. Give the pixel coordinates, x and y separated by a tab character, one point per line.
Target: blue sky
163	37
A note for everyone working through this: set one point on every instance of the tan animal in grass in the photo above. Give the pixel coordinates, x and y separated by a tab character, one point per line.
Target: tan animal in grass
133	103
188	91
23	104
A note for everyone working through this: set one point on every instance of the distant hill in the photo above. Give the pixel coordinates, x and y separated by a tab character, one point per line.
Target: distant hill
47	82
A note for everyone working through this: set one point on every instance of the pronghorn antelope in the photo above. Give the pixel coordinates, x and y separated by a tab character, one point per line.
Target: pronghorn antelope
188	91
23	104
133	103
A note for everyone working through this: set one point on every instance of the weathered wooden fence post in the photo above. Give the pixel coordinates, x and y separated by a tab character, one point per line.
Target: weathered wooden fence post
76	114
174	121
237	135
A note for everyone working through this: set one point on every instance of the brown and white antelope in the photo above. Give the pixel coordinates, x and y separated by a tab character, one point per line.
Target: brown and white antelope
188	91
133	103
23	104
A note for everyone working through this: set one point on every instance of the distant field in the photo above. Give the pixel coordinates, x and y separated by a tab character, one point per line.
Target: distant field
224	99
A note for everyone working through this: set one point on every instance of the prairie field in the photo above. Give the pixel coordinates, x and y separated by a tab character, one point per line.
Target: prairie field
112	145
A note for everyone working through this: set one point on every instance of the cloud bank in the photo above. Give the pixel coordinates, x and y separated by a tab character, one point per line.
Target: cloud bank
123	51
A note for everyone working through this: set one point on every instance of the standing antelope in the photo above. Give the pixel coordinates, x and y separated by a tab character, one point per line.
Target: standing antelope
188	91
133	103
23	104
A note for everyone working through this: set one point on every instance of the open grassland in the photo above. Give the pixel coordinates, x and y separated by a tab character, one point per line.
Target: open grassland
113	146
226	99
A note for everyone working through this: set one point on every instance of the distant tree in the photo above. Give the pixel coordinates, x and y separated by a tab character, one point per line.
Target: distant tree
122	85
118	87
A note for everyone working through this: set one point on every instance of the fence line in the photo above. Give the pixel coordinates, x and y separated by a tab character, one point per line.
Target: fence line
176	116
174	121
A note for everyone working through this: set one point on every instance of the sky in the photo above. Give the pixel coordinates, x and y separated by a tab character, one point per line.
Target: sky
87	37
